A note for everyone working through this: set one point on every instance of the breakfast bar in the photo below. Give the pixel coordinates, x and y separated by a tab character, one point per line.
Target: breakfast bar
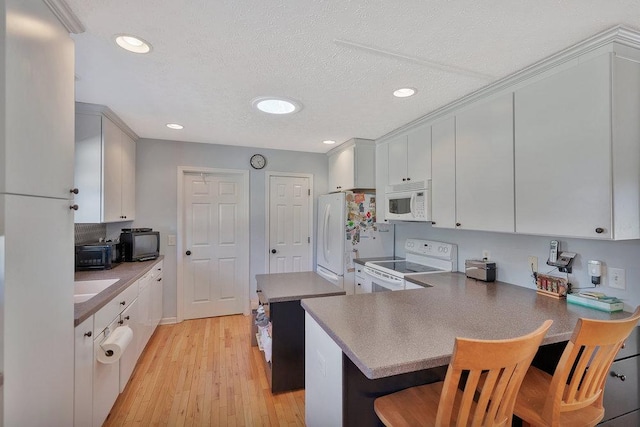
392	340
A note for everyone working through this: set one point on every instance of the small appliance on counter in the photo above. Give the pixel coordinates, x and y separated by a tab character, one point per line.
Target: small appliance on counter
480	270
98	256
139	244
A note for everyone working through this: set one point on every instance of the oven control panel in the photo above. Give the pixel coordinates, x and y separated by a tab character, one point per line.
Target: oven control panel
430	248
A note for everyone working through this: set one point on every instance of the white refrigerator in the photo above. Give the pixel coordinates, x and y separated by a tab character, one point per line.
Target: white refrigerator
347	230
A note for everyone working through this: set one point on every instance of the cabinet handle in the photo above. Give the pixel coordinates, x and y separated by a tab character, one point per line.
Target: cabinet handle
622	377
458	224
123	302
358	284
624	344
88	334
73	207
120	322
159	279
74	191
433	223
599	230
408	179
126	318
404	179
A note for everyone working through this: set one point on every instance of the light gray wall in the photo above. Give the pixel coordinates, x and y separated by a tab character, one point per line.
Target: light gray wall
157	163
511	252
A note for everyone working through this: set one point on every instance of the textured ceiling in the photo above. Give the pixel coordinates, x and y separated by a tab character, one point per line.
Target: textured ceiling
341	59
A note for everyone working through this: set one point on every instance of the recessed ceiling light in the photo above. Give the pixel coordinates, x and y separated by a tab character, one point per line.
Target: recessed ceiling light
276	105
328	142
175	126
404	92
132	43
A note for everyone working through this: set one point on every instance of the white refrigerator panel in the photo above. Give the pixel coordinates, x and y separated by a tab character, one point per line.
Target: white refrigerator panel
330	241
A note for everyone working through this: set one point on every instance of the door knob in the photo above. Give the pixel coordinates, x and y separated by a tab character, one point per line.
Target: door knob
458	224
273	251
74	207
188	253
74	191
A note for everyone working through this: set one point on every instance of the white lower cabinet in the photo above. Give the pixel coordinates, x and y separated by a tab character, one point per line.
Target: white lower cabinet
360	282
106	381
323	377
97	385
130	356
83	374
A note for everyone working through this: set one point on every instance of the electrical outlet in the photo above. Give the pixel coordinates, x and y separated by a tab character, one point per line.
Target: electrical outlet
616	278
486	254
533	264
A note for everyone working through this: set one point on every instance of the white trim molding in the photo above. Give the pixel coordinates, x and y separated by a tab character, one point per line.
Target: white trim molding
65	15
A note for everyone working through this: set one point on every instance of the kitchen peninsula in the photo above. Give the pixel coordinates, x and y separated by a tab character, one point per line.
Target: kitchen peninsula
363	346
280	294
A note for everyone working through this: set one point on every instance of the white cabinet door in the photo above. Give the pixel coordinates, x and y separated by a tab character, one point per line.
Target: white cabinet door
398	160
156	301
38	315
419	155
144	312
38	79
112	172
129	317
563	153
443	174
342	170
323	377
382	179
484	166
128	210
106	381
83	378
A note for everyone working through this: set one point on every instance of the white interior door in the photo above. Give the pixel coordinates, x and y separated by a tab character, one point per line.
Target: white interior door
216	257
289	224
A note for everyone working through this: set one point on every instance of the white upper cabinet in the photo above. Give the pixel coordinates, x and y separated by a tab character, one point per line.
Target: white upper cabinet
104	168
484	166
577	156
37	144
382	177
410	157
443	173
352	165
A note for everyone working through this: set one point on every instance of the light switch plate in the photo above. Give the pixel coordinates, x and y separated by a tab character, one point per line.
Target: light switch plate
171	240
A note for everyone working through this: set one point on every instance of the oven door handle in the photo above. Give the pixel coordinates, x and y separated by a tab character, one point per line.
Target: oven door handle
394	281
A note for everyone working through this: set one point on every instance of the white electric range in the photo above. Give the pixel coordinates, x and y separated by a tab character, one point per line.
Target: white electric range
422	256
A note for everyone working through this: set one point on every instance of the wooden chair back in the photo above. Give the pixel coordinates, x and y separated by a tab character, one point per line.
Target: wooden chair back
581	373
502	364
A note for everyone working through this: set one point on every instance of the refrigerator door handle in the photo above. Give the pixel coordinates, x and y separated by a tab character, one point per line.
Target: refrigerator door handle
333	278
325	247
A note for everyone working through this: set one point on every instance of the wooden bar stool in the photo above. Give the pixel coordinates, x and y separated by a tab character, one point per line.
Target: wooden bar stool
445	404
573	395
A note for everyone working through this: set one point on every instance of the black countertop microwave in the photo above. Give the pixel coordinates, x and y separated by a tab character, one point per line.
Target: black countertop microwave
98	256
139	244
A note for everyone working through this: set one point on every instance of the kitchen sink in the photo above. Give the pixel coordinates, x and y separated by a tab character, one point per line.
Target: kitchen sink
86	289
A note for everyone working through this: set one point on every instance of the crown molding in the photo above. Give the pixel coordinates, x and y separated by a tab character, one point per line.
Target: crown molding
619	34
83	107
65	15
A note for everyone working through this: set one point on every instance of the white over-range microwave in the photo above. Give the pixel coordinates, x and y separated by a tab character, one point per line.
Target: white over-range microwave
408	202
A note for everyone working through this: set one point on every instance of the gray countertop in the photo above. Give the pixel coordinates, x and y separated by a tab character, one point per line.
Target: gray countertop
391	333
282	287
127	272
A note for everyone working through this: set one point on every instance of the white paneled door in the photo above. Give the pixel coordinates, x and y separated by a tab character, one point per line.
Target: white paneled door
289	224
216	246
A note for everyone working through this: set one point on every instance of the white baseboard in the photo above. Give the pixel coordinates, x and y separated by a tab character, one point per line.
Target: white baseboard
168	320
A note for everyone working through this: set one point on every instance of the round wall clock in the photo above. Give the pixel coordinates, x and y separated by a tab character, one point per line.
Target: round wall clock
258	161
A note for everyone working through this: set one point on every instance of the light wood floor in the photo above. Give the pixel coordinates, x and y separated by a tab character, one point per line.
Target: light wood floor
204	372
